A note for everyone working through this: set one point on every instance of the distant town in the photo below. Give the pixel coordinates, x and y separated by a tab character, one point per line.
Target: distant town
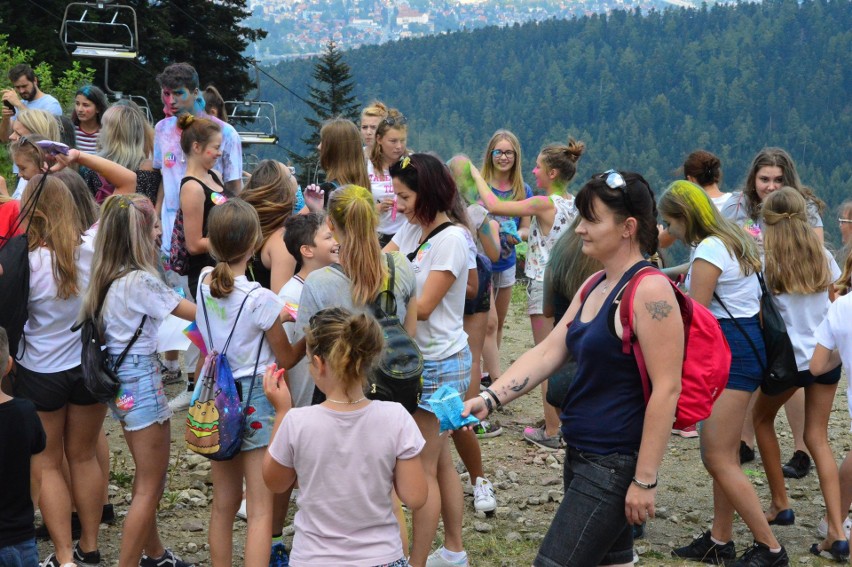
300	28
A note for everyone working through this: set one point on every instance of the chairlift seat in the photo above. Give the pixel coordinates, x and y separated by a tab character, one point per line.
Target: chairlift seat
116	37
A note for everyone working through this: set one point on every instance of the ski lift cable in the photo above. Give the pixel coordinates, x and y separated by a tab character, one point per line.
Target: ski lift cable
245	59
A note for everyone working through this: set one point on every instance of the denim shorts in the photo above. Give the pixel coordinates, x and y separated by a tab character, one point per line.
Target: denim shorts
141	401
453	371
746	370
590	527
260	415
535	297
24	554
504	279
482	302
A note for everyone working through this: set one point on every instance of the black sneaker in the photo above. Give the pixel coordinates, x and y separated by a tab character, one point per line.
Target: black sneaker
746	453
168	559
798	466
705	550
89	559
758	555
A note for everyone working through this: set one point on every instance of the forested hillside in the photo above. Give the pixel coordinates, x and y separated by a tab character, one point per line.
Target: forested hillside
642	90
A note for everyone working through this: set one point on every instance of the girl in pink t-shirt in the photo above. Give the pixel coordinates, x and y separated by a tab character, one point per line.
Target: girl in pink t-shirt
348	452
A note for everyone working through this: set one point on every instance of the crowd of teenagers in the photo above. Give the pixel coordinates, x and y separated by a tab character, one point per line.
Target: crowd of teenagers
136	224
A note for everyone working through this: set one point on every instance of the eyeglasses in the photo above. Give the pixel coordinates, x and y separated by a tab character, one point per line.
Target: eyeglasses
844	221
497	154
398	121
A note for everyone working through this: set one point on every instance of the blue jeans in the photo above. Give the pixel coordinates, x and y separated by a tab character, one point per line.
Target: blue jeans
590	527
24	554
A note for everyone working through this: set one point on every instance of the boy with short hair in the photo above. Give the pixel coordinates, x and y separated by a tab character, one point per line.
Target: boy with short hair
21	437
310	241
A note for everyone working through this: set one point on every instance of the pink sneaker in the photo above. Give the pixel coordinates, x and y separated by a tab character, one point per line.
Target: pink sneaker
687	432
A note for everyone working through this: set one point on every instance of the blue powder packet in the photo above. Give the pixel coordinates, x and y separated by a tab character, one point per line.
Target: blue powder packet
447	405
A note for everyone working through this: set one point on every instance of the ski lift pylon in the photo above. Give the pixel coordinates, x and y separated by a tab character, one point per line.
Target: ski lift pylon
112	35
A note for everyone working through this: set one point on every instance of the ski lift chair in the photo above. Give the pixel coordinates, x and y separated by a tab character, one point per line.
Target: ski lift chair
100	30
254	121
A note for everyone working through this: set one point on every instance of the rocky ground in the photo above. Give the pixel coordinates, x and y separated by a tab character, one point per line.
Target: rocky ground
528	482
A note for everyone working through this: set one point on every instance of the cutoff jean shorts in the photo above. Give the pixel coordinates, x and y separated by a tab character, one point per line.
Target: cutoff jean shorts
746	369
590	527
141	400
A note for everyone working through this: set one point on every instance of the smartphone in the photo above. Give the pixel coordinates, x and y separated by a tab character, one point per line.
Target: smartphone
8	105
53	148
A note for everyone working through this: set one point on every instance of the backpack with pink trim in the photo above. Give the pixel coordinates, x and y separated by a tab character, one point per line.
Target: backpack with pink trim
706	354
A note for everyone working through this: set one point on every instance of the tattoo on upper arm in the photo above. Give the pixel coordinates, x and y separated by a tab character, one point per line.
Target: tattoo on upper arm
659	310
518	387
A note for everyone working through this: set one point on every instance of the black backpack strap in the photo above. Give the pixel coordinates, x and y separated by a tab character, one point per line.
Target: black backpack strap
390	304
133	340
739	327
437	229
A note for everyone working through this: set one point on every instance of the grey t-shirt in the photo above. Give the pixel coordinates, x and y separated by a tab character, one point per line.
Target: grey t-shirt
735	209
329	287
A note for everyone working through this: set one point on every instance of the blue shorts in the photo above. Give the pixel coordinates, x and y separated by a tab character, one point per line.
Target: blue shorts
24	554
260	415
590	527
453	371
141	400
746	370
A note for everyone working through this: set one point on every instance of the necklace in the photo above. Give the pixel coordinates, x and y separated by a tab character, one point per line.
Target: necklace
604	287
358	401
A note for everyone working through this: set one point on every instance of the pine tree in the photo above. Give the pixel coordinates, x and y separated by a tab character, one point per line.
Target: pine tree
330	98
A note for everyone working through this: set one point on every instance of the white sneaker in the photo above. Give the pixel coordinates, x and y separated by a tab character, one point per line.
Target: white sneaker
822	529
180	402
437	560
483	495
241	513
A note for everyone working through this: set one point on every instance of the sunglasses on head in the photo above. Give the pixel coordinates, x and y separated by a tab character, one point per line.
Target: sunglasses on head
397	121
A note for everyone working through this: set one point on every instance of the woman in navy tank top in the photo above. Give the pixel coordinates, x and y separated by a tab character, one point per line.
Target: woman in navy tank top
613	452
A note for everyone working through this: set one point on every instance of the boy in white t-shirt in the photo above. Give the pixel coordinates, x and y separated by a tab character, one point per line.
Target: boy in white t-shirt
310	241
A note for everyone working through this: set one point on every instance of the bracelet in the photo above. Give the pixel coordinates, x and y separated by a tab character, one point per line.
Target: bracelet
488	405
493	395
645	485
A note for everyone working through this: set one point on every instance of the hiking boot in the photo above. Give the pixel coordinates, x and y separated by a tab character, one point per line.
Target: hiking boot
168	559
88	559
758	555
689	432
705	550
278	556
537	436
486	429
746	453
180	402
798	466
483	496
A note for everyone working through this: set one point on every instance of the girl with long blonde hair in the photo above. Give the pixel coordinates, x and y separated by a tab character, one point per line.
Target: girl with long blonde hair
722	277
341	155
126	295
799	272
503	172
390	145
551	214
50	375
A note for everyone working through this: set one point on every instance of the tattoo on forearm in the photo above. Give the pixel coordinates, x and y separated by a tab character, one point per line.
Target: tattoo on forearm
659	310
515	387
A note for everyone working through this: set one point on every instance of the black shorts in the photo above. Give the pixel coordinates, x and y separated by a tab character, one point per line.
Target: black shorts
52	391
804	378
482	302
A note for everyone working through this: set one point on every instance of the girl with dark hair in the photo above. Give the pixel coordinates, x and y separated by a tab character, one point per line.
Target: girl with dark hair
705	170
438	250
90	103
722	277
214	104
606	423
551	214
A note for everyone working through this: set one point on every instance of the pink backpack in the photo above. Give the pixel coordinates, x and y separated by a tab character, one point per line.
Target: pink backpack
706	354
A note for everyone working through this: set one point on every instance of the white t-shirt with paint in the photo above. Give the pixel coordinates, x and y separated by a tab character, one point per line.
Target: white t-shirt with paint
442	334
835	332
381	186
740	293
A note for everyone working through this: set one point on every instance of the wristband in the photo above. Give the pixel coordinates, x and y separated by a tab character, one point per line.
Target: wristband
645	485
493	395
488	405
